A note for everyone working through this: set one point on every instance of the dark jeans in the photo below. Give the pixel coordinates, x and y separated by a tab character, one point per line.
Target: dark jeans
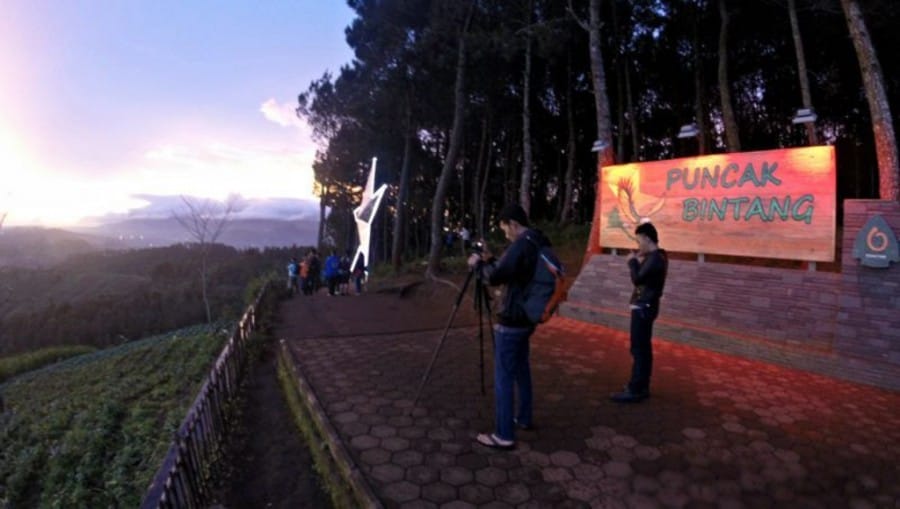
512	371
641	348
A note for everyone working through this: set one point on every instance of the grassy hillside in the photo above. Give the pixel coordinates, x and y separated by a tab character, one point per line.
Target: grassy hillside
40	247
92	430
107	298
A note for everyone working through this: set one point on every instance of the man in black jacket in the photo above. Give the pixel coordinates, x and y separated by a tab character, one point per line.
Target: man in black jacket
648	267
515	269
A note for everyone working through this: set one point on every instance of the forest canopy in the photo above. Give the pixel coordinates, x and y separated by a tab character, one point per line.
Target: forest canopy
469	105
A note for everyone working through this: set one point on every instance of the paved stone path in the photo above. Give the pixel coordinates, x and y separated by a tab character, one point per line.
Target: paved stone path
718	431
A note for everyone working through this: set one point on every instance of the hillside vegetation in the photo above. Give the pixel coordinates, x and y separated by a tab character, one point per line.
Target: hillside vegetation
92	430
108	298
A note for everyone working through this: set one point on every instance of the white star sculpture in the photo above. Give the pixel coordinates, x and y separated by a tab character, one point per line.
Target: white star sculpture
365	214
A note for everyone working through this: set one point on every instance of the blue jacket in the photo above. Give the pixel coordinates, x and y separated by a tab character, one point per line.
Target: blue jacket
332	264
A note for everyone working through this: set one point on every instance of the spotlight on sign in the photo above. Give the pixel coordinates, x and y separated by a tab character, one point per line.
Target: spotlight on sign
804	116
599	146
688	131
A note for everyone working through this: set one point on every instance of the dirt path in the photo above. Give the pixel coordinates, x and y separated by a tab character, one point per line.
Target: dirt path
272	466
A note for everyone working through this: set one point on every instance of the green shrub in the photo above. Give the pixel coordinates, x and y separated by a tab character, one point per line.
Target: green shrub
91	431
16	364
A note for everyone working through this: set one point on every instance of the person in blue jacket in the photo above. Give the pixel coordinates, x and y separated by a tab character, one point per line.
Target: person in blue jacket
332	272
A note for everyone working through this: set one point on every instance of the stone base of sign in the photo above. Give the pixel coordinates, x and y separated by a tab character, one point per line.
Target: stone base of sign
844	324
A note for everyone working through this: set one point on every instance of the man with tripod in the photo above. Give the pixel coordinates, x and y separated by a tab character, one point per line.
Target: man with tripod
515	269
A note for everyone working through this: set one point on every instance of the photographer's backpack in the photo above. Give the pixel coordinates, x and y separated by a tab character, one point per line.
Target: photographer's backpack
548	286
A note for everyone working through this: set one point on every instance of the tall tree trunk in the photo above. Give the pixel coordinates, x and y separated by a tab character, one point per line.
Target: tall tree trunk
879	107
400	218
485	178
527	164
598	76
805	95
322	200
732	135
601	106
440	194
632	117
699	86
203	263
568	186
476	178
620	87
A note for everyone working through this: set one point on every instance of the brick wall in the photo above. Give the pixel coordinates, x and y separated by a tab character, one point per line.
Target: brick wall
843	324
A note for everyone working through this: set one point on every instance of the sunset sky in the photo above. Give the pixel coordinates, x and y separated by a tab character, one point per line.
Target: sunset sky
107	105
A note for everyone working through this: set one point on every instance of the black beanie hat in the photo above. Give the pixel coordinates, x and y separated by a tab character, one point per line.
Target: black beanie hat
515	212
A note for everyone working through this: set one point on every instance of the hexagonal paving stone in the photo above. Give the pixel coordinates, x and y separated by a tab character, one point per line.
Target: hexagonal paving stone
407	458
376	456
354	428
440	459
419	504
456	476
472	461
647	453
439	492
503	460
535	458
547	494
556	474
388	473
402	491
694	433
514	493
617	469
525	474
564	459
476	494
624	441
395	444
346	417
491	476
458	504
441	434
588	472
422	474
383	431
364	442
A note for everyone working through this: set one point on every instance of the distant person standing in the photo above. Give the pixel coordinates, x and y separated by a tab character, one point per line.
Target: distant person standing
315	271
304	275
648	267
293	271
332	272
466	237
359	273
344	275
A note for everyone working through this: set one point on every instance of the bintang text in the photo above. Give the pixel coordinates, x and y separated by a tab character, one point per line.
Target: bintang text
742	208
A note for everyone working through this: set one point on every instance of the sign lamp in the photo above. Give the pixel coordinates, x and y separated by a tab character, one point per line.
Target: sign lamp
689	131
804	115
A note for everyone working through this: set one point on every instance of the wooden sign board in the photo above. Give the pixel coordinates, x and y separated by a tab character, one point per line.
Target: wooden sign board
769	204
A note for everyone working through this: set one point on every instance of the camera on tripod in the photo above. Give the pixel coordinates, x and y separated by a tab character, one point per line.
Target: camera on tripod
477	247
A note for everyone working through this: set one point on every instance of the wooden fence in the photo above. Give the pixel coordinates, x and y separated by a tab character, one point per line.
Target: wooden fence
183	479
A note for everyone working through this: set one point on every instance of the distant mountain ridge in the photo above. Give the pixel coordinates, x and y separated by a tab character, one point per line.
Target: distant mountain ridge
240	233
35	247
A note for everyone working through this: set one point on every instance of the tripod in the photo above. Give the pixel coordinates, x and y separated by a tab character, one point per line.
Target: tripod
482	300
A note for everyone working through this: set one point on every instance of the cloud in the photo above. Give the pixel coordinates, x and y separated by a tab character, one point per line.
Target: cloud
164	206
284	115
